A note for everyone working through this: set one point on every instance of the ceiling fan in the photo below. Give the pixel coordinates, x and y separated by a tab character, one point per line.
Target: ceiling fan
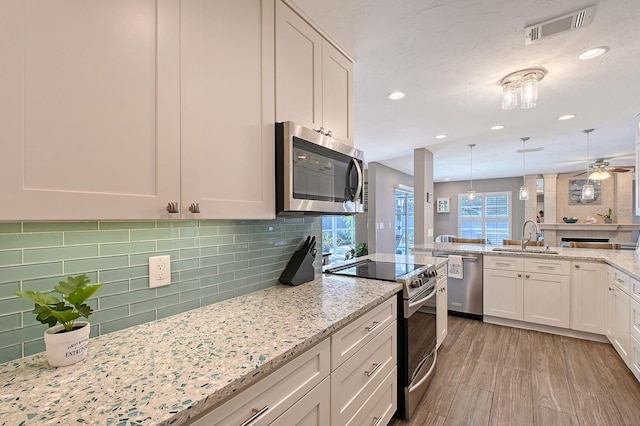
600	169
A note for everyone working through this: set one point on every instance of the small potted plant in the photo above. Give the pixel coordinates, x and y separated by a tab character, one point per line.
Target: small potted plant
68	341
360	249
606	216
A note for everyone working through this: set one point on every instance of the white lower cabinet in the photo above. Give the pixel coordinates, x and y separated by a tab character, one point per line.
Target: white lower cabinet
268	399
441	307
312	410
547	299
503	288
589	297
361	388
634	357
618	312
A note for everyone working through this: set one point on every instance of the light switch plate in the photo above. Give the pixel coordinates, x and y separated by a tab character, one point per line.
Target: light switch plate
159	271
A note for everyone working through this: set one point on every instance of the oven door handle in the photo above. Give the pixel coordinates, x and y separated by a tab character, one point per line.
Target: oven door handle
424	299
426	376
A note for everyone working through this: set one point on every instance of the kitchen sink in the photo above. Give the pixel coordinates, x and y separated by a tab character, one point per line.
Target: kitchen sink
537	250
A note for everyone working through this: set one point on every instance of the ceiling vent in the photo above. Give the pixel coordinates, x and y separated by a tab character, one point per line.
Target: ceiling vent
569	22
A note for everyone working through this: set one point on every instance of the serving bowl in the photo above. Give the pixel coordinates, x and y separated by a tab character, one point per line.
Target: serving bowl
570	219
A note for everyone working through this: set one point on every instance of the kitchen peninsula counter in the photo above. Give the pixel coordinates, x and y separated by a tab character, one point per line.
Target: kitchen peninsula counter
626	260
166	372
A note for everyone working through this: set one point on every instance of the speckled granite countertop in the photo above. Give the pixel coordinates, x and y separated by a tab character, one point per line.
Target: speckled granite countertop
626	260
165	372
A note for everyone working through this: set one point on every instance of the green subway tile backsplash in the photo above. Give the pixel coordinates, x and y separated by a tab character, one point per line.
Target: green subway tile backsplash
211	261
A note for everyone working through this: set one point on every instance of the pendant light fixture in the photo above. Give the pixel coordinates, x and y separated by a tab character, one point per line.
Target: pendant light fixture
524	189
588	191
471	194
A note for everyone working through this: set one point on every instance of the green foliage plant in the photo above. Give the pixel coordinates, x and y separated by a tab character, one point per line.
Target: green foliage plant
49	309
360	249
606	215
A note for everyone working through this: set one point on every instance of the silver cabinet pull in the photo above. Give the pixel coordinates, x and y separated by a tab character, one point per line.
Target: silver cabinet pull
377	421
577	266
503	264
519	275
375	325
173	207
373	370
548	267
329	133
194	208
256	413
527	276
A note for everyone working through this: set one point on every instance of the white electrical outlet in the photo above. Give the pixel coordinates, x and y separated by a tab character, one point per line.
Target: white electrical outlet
159	271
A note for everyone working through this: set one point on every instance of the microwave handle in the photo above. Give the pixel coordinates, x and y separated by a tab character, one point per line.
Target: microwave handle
356	165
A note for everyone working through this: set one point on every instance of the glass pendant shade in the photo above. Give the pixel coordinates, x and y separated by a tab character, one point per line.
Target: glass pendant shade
588	192
524	193
529	91
471	194
509	96
600	175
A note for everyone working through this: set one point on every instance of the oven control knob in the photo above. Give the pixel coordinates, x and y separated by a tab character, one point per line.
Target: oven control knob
416	283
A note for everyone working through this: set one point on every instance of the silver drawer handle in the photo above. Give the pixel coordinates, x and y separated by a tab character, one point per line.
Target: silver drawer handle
503	264
375	325
373	370
618	280
546	267
256	413
377	421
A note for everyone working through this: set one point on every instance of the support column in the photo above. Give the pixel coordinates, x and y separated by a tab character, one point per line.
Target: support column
423	184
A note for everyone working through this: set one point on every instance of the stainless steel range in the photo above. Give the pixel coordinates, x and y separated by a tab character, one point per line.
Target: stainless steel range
416	324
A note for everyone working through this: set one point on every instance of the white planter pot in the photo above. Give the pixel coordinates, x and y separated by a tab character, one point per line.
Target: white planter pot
67	348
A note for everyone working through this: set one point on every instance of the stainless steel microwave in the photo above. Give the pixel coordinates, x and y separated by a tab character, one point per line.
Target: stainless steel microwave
315	174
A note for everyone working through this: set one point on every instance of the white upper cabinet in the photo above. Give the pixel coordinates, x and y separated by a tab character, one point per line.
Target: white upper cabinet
89	112
314	80
227	106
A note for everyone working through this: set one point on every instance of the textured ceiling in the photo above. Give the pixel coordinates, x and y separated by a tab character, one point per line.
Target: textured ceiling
448	56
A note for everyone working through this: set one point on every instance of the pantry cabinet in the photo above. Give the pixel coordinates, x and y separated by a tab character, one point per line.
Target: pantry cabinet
90	109
314	80
588	297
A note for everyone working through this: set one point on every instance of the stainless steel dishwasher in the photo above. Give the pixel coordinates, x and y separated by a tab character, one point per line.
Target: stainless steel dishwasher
465	295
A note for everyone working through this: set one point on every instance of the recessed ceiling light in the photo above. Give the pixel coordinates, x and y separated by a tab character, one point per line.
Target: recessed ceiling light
593	53
441	136
396	95
497	127
567	117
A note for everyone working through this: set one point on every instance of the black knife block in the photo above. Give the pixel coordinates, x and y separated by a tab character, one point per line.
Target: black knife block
299	270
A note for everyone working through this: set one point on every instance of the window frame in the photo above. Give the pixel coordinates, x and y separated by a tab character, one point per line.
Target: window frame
483	219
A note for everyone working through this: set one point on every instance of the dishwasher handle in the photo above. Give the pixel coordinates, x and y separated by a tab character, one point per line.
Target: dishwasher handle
463	257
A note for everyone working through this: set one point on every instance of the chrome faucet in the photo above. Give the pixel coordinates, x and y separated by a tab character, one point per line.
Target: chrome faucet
525	241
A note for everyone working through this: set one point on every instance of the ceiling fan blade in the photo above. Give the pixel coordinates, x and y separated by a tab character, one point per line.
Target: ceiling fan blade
618	170
579	174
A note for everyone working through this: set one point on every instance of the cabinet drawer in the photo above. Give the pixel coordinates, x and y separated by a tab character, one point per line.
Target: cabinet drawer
348	340
621	280
634	289
278	391
634	358
381	405
312	410
503	262
356	379
547	266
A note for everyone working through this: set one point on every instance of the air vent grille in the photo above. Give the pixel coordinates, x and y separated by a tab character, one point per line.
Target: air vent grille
558	25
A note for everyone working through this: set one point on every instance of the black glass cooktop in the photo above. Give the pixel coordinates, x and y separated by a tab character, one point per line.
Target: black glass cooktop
387	271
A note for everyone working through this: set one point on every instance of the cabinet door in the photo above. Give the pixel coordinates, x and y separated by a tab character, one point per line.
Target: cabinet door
589	297
337	93
621	328
227	104
547	299
441	310
89	112
503	294
298	69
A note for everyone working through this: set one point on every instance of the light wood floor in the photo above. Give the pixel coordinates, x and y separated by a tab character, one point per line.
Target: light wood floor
493	375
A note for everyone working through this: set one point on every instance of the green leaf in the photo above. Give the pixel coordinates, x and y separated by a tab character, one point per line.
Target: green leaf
79	295
72	283
38	298
84	310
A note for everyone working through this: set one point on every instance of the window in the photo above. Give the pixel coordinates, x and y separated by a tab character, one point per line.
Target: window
338	236
488	216
404	220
